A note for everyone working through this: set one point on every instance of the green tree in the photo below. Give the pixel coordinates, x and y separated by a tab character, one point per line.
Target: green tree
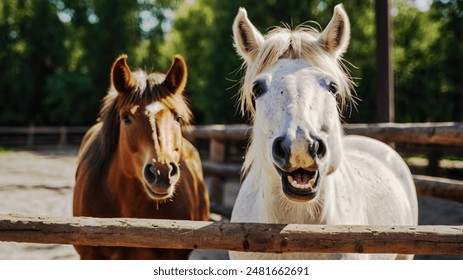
99	31
450	45
415	61
203	33
32	50
58	54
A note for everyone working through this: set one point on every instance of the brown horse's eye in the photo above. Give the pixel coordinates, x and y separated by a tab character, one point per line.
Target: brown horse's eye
178	118
126	119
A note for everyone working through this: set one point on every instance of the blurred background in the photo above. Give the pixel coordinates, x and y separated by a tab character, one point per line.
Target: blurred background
56	55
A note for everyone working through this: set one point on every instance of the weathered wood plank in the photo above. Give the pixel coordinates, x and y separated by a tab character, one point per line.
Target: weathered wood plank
439	187
450	133
42	129
222	169
237	132
272	238
420	133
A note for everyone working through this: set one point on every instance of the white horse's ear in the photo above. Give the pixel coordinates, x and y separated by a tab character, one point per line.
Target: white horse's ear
335	38
247	38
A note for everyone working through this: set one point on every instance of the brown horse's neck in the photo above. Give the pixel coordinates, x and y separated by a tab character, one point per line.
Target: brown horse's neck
126	186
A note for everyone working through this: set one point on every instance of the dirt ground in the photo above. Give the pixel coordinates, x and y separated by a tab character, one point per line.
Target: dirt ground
41	183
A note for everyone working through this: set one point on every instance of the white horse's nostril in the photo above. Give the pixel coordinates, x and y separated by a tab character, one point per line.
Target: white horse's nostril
317	148
281	151
314	147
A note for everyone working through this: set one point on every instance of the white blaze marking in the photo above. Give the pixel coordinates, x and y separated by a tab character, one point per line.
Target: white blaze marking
151	111
153	108
134	109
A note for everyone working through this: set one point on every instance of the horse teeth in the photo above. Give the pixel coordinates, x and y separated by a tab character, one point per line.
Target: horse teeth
290	179
312	181
294	184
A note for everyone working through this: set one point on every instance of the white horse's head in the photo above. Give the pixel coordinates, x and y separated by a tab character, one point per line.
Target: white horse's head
294	87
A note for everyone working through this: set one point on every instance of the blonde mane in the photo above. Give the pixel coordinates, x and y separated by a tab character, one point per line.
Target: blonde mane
299	43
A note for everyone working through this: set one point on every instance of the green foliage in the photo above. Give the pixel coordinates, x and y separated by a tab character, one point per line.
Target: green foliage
56	54
4	150
450	67
418	33
203	33
32	48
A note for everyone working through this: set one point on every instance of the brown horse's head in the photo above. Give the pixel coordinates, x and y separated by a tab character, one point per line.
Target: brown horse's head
149	111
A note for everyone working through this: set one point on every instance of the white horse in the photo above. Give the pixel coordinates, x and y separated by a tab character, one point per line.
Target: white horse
299	167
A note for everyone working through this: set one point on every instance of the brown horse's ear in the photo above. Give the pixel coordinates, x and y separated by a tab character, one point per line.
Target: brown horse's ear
177	75
121	76
335	38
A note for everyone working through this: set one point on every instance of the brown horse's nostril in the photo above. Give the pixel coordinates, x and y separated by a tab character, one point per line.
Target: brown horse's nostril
149	172
174	170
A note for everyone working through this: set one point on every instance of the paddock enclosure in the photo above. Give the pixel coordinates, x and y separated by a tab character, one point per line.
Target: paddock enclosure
222	148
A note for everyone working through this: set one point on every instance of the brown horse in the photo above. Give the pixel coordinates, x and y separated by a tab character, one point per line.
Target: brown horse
135	162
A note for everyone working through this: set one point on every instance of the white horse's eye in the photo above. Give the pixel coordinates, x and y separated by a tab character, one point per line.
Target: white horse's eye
329	86
259	88
333	88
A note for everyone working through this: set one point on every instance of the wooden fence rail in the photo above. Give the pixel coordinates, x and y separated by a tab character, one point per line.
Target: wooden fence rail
450	133
439	187
31	133
270	238
421	133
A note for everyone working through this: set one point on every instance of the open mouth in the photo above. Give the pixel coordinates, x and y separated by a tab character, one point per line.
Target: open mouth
300	185
165	193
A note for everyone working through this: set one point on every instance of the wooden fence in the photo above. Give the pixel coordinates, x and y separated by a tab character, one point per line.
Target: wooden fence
270	238
449	134
28	136
275	238
420	133
218	136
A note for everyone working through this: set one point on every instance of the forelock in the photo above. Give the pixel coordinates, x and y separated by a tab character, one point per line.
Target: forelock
300	43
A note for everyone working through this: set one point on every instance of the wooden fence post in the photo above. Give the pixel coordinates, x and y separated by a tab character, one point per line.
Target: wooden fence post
216	155
434	157
30	136
62	136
